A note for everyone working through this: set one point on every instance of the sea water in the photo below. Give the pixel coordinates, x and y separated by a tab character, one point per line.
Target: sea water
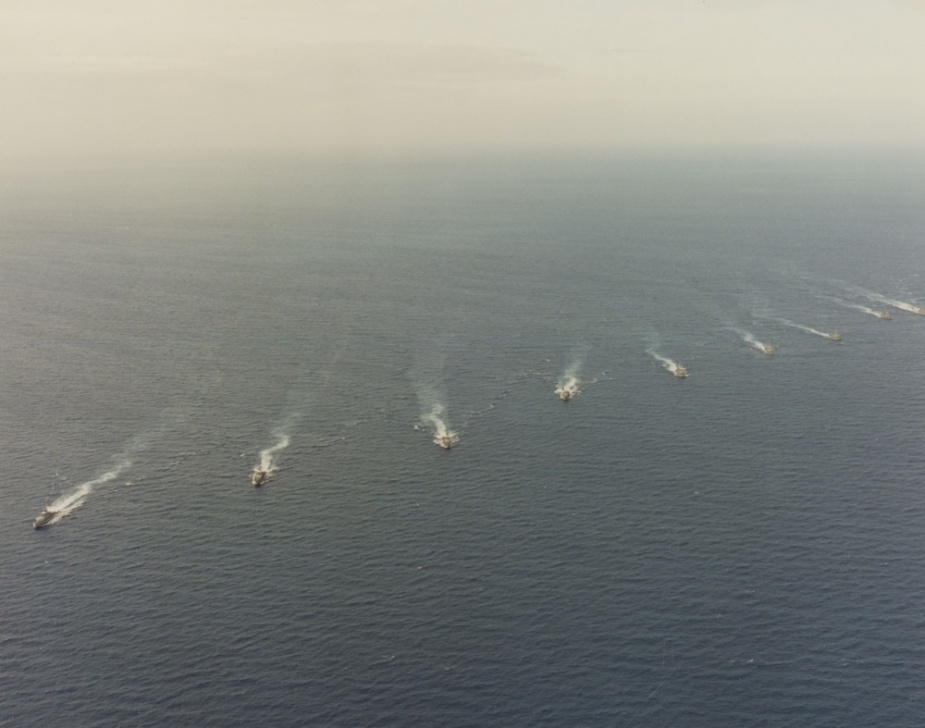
743	546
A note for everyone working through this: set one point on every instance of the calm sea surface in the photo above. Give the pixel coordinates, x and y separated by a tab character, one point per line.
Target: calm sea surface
741	547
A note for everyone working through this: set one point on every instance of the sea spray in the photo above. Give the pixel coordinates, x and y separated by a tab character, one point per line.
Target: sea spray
568	383
750	339
884	315
428	380
74	499
267	464
832	336
670	364
443	436
886	300
902	305
71	501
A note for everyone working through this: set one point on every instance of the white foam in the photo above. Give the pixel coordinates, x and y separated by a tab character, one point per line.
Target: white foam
569	381
70	502
895	303
903	305
866	309
750	339
440	429
810	330
267	456
670	364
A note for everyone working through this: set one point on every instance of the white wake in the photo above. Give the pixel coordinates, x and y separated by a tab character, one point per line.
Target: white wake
670	364
568	384
832	336
70	502
750	339
268	460
886	315
443	435
887	301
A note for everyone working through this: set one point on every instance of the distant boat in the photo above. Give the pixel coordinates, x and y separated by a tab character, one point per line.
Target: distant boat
44	519
680	372
834	336
258	477
565	395
446	442
886	315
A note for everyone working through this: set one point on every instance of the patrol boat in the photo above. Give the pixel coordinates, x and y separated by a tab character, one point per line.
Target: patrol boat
44	519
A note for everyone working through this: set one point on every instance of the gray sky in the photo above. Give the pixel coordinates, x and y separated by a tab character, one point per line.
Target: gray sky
164	76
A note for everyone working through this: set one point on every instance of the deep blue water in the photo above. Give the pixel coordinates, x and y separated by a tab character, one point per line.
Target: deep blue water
743	547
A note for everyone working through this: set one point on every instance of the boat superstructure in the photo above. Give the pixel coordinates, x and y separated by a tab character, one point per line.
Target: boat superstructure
44	518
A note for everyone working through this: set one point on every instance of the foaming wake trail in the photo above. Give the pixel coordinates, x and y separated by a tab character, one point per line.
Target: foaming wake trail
267	459
901	305
831	336
885	315
886	301
443	436
567	386
670	364
267	464
750	339
70	502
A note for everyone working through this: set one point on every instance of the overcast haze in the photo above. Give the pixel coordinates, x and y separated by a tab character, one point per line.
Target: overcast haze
175	76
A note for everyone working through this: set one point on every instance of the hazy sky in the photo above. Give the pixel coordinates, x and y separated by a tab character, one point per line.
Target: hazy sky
162	76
